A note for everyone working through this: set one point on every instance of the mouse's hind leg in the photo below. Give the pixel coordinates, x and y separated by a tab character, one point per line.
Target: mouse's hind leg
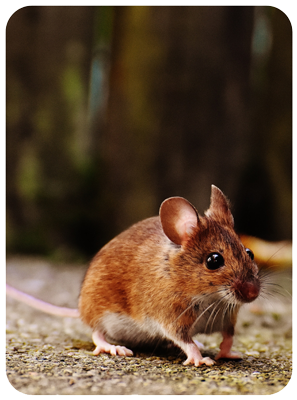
102	346
225	348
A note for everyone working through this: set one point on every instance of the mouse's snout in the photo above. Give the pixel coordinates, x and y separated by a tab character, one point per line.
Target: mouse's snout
246	291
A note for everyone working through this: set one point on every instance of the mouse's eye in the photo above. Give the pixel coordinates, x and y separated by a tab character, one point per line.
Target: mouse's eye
250	253
214	261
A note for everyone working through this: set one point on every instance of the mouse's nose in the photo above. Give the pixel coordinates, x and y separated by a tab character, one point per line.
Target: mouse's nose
246	291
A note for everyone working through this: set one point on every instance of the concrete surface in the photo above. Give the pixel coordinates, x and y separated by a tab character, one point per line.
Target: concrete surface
53	355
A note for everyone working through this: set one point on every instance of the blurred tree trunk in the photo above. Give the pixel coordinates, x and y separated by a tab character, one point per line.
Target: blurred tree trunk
278	132
129	140
266	187
205	126
181	114
48	62
179	105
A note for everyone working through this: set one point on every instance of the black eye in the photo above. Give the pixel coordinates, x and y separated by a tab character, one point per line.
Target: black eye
214	261
250	253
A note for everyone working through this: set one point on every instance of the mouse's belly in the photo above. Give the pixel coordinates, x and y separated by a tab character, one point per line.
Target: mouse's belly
124	330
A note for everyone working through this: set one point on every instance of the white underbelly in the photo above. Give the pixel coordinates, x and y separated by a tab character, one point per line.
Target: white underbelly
122	329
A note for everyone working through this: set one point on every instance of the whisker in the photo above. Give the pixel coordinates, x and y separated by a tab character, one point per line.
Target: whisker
274	287
229	308
195	301
210	316
280	248
219	301
197	319
185	310
213	320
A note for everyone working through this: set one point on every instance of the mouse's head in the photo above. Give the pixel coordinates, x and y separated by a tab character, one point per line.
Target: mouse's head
211	257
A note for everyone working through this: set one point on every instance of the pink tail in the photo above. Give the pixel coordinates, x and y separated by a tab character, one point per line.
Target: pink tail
41	305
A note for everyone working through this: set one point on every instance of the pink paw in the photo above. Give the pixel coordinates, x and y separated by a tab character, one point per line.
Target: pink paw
199	361
102	346
195	357
113	350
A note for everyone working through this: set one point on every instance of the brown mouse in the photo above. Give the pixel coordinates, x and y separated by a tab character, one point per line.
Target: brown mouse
168	277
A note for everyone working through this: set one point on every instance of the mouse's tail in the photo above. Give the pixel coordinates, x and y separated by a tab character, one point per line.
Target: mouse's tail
41	305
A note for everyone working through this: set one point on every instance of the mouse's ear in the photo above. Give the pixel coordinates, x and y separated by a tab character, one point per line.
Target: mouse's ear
219	207
178	218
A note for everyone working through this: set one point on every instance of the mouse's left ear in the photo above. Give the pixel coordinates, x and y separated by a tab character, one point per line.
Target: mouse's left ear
179	219
219	207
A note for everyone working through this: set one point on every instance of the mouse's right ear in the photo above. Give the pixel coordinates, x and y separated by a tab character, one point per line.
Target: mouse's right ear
179	219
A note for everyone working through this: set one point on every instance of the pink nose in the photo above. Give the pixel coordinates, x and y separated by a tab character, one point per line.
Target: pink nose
247	291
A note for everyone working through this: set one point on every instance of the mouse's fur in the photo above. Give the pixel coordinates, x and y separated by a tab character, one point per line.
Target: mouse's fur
152	282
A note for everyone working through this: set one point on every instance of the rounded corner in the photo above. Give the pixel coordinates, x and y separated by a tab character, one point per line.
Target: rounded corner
12	390
15	12
284	13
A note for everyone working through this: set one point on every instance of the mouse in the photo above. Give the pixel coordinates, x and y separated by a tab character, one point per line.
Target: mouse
167	279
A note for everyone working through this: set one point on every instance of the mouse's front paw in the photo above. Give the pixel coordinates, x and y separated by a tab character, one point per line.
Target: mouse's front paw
199	361
195	357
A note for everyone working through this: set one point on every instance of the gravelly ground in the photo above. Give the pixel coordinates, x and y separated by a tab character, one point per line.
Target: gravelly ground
52	355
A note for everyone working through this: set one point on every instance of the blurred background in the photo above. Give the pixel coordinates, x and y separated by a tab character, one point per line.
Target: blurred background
112	109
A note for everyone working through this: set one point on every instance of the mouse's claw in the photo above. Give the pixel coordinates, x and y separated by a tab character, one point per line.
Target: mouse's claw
102	346
195	357
199	361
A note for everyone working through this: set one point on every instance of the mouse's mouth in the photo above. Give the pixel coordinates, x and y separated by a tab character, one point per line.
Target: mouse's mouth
246	291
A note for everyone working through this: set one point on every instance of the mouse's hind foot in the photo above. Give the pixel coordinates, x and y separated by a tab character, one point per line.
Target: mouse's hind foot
102	346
